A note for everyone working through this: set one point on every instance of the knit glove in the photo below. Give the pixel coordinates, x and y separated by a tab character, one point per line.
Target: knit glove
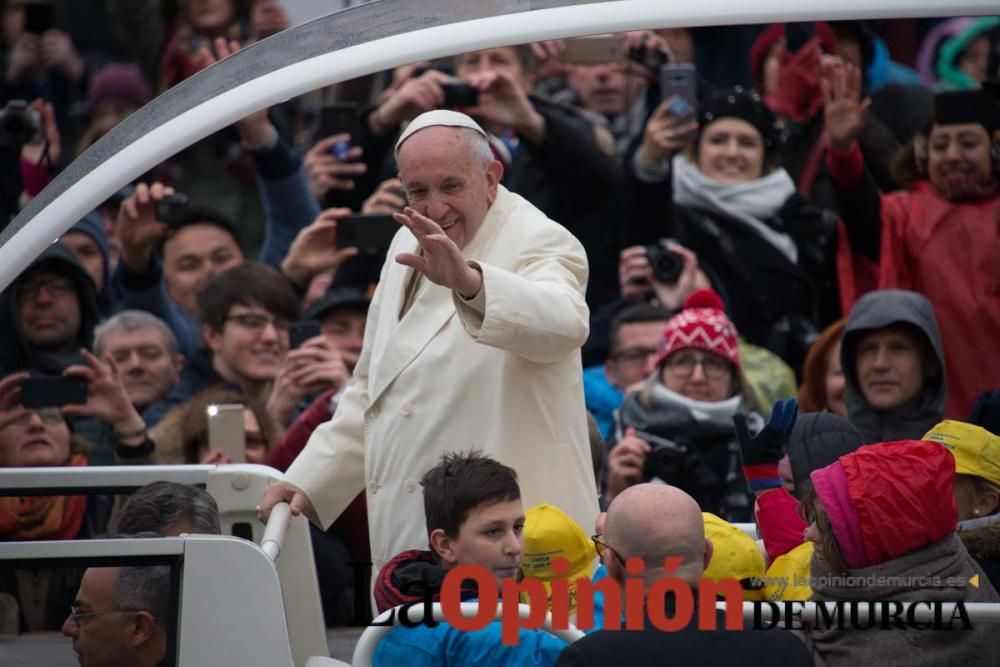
762	452
798	96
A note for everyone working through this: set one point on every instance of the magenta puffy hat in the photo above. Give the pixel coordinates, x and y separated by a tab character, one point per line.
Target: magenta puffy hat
118	81
701	325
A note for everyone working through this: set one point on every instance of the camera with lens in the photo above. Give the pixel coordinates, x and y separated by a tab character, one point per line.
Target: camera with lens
666	264
665	458
19	124
650	57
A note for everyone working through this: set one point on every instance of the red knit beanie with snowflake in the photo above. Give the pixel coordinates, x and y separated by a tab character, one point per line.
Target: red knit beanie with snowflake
701	325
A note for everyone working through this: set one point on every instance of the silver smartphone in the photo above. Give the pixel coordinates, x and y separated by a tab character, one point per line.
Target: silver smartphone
225	431
680	81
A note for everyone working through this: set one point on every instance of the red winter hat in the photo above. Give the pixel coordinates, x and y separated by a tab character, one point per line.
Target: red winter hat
701	325
888	499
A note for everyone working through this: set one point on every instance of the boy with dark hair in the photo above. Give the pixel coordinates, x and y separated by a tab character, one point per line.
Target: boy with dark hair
474	516
246	313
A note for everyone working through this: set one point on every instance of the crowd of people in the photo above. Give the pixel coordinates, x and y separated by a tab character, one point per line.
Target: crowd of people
610	290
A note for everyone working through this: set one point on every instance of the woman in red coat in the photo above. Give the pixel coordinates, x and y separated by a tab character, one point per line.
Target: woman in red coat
940	236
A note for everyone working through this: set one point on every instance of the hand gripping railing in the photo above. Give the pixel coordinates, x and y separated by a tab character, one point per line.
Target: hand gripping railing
274	532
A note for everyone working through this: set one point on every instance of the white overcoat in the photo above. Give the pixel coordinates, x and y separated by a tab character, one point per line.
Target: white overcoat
500	374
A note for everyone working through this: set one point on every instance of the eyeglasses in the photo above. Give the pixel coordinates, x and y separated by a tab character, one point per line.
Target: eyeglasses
603	548
54	285
50	416
258	323
74	613
682	365
634	355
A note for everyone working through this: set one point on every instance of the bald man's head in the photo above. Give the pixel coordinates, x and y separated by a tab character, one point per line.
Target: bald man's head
654	521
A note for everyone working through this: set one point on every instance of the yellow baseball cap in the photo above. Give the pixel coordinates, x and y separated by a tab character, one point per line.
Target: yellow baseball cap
735	555
976	450
549	533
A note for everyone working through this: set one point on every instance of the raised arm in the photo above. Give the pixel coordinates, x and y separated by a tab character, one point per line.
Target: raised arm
858	196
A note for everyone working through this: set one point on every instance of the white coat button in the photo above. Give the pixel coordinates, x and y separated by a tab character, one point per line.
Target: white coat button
373	413
410	486
407	410
373	487
379	563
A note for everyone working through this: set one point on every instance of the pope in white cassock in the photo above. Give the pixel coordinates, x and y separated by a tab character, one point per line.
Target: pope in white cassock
472	343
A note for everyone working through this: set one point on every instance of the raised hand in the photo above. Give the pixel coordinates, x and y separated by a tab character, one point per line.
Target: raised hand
504	102
107	399
626	462
844	108
328	172
665	133
387	198
761	453
137	229
441	260
315	250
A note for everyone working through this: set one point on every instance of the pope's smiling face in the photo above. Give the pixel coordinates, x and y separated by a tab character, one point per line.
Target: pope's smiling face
449	179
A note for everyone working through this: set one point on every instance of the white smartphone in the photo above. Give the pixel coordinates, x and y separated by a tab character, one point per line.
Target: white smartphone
225	431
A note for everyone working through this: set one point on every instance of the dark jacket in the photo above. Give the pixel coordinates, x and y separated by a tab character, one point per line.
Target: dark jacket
773	303
874	311
981	536
689	646
936	568
692	450
15	352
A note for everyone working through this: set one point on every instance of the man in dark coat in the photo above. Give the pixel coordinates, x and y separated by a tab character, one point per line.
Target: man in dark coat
655	522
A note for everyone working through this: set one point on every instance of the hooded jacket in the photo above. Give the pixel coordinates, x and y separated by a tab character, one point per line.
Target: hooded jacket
15	352
91	226
880	309
903	539
420	646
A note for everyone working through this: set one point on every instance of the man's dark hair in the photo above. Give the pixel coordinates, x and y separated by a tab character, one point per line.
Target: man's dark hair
200	215
249	284
158	506
637	314
460	483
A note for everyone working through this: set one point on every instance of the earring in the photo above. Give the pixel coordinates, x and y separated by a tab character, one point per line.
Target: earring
975	512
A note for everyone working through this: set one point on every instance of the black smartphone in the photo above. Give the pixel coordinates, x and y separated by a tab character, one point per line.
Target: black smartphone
339	118
372	233
173	210
46	392
39	17
797	34
459	95
302	331
680	81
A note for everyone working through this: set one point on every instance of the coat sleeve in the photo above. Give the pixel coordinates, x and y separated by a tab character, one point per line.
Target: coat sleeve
331	468
537	311
779	523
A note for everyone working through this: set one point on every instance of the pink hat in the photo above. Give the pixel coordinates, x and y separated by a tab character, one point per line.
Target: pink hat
701	325
118	81
831	487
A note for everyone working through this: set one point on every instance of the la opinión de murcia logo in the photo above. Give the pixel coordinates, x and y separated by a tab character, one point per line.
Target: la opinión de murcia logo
628	606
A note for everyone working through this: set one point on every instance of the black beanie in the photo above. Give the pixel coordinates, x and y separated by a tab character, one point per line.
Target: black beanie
817	440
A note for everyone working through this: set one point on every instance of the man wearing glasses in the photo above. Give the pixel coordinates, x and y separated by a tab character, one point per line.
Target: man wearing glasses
246	314
635	339
119	617
651	523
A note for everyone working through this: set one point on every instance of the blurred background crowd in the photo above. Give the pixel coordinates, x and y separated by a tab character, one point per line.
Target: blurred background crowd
768	211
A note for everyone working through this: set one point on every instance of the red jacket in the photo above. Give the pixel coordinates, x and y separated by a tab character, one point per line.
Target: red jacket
353	522
949	252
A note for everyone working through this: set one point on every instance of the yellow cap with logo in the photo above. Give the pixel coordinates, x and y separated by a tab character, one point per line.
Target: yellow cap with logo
549	533
976	450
